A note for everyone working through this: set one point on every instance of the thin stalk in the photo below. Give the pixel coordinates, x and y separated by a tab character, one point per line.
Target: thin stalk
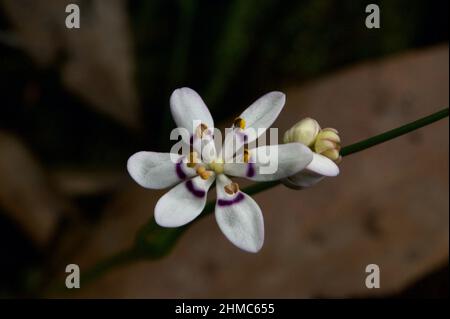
396	132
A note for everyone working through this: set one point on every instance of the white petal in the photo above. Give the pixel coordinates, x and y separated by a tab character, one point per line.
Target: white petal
183	203
187	108
323	165
272	162
234	141
262	113
239	218
303	179
207	148
318	169
158	170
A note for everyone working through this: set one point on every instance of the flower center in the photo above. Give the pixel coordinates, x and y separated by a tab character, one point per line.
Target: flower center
217	166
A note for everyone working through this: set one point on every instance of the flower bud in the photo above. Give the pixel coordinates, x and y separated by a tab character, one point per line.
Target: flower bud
304	132
328	143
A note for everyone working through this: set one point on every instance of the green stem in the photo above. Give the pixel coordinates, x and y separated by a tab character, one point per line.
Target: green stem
153	241
115	260
396	132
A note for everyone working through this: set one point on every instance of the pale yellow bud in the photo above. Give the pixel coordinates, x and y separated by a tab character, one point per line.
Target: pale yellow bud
328	143
304	132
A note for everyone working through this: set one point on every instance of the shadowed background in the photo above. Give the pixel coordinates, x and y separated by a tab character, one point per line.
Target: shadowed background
75	104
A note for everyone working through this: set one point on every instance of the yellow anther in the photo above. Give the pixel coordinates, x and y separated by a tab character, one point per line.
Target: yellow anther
206	175
232	188
239	122
192	159
203	173
246	155
200	170
201	130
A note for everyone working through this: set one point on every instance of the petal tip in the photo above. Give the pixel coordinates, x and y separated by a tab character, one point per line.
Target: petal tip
323	166
256	249
278	97
249	247
161	218
336	170
134	166
179	93
253	247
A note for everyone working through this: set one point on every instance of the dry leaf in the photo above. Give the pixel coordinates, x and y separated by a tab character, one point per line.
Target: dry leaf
76	182
98	59
25	194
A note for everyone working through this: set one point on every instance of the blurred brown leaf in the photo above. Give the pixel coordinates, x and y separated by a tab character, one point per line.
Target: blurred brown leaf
77	182
25	194
98	60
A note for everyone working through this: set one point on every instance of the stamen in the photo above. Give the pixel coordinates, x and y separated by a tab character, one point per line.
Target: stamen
239	122
202	172
246	155
206	175
192	159
201	130
231	189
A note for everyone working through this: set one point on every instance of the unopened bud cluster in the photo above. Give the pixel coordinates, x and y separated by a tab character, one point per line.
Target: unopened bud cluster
322	141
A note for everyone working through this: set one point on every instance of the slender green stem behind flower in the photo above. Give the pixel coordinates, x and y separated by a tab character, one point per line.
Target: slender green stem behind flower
396	132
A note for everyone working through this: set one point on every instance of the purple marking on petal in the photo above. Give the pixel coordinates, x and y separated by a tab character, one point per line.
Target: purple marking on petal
229	202
180	173
196	192
250	170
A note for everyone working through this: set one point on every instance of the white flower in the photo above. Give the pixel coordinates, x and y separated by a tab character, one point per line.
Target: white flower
237	214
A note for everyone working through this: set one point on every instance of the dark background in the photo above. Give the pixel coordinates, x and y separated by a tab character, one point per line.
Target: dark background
229	51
